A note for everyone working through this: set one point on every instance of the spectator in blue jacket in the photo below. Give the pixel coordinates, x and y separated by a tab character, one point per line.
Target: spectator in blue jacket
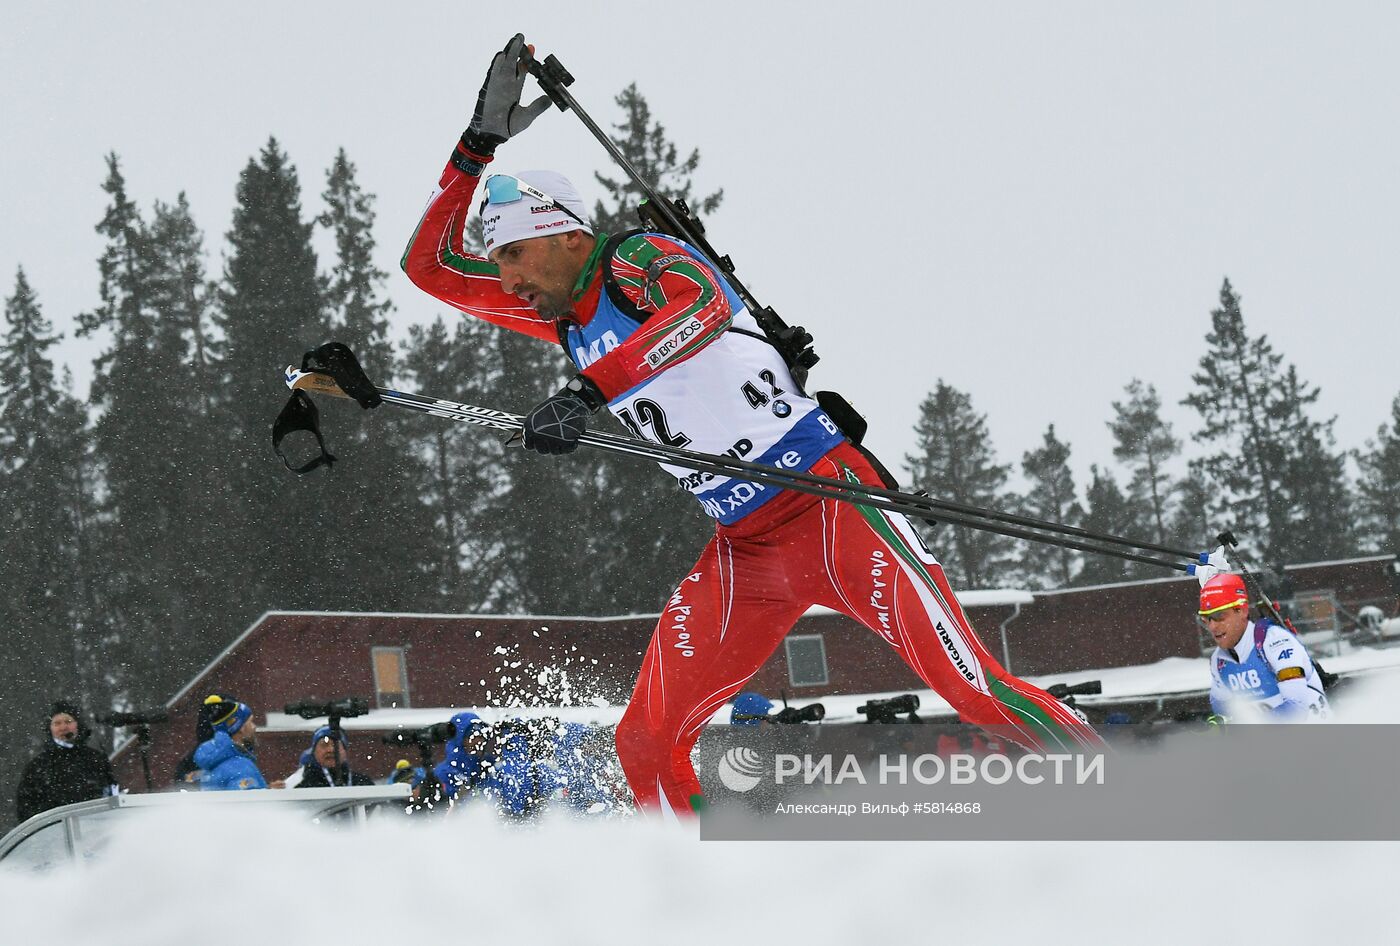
405	771
458	766
229	765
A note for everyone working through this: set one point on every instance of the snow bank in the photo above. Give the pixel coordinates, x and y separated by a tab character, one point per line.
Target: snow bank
174	879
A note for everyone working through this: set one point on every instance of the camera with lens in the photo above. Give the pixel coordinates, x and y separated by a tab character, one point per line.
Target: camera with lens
142	718
537	734
888	711
427	736
343	708
811	713
1066	692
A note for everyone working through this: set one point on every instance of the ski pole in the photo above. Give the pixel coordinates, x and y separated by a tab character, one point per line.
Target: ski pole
859	493
1266	604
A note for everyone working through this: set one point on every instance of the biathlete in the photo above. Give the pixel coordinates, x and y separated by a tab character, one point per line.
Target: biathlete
1259	668
663	342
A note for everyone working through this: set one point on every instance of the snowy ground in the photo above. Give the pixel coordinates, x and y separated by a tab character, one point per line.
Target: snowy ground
469	880
466	878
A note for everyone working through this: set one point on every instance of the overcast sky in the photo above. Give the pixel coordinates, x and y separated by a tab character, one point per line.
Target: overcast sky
1035	202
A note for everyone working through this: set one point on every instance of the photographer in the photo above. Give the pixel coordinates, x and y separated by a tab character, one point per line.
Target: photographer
754	709
580	760
227	757
458	766
65	770
750	709
329	765
495	763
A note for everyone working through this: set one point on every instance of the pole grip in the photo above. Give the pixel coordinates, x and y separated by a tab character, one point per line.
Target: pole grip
553	78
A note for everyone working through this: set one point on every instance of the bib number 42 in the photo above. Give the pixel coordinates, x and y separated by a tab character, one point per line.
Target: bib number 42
649	423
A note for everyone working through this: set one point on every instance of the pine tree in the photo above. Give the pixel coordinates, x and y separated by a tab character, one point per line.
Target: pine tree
657	160
1233	401
1111	512
1198	510
42	450
359	317
1272	468
561	527
1052	496
272	308
377	494
461	462
956	461
1319	502
175	425
1145	443
1378	489
133	399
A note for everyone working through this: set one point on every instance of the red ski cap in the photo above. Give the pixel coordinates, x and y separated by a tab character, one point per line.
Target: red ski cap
1222	593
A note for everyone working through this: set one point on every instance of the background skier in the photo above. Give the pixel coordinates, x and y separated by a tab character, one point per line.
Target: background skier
1258	666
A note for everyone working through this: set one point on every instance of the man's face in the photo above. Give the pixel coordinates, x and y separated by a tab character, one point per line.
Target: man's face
64	727
325	753
1227	627
246	733
542	271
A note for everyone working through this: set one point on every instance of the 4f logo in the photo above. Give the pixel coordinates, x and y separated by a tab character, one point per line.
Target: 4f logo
1286	654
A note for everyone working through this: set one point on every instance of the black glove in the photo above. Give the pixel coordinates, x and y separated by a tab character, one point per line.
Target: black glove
499	116
555	425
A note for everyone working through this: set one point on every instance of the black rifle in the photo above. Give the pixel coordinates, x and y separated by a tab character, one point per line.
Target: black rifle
1066	692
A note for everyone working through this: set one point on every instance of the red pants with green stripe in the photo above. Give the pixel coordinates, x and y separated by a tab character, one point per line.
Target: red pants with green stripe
752	583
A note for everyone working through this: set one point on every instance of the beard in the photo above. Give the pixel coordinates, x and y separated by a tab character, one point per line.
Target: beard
553	307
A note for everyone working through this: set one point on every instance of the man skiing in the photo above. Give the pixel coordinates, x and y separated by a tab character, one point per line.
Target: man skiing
664	343
1258	667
